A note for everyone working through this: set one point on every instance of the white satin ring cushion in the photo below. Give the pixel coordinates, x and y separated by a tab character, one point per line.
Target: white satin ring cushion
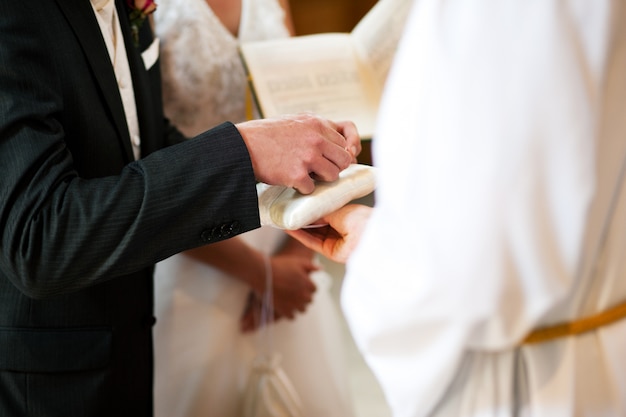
286	208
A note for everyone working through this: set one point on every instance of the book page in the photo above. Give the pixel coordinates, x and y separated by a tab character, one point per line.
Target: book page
318	73
377	35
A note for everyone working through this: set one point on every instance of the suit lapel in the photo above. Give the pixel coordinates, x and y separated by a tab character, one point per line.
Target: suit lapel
80	15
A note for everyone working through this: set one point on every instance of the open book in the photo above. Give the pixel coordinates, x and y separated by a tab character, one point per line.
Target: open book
339	76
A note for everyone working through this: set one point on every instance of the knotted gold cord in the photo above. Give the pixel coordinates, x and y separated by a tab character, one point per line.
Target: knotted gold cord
578	326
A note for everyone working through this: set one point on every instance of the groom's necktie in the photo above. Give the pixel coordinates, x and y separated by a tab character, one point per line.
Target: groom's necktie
110	26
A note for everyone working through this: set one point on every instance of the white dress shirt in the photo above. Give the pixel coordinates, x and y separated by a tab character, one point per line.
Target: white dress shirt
106	13
500	208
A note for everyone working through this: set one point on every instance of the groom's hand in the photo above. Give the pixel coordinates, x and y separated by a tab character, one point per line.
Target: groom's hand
295	150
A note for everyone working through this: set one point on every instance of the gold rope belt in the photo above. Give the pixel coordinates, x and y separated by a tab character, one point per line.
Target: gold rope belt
578	326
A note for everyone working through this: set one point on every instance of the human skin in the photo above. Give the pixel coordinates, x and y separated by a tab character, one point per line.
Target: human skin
340	235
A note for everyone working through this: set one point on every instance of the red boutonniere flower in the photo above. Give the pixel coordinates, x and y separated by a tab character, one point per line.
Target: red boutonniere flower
139	10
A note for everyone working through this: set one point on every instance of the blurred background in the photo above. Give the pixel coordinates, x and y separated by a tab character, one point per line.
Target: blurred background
314	16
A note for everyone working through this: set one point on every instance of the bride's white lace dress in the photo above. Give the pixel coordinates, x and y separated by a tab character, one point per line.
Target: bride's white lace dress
201	358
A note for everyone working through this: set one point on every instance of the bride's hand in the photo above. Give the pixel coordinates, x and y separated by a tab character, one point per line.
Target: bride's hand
292	289
251	317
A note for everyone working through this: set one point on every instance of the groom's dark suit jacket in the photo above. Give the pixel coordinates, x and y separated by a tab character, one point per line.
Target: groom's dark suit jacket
82	224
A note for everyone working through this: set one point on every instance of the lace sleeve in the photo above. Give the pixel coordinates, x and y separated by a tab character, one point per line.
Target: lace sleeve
203	78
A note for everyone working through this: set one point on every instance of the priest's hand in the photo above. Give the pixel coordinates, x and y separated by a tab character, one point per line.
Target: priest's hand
340	234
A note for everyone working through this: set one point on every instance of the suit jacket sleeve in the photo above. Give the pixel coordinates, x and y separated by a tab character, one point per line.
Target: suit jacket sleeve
74	210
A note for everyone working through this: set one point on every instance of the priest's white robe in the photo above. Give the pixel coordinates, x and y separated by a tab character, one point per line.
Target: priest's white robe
500	208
